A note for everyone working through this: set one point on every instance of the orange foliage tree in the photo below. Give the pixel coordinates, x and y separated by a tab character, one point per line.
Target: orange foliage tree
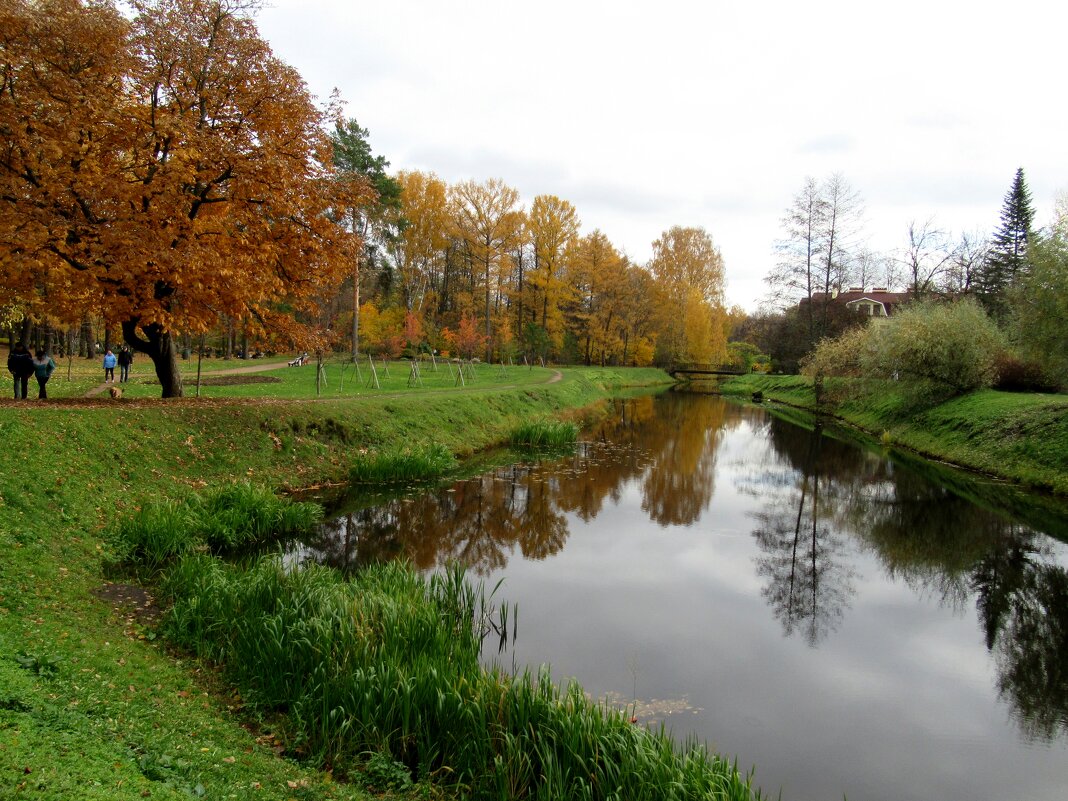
162	171
466	339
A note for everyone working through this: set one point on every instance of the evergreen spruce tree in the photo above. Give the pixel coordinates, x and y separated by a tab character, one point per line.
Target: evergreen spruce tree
1007	260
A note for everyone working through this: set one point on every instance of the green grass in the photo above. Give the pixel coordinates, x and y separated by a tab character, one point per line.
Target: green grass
544	434
1018	436
340	380
428	462
121	715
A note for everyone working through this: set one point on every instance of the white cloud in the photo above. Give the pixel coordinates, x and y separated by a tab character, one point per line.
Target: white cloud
685	113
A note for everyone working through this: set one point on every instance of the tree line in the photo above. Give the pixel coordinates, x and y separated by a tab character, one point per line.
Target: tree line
1016	277
165	178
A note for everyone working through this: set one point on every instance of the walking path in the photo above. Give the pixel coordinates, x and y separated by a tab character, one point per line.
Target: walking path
255	368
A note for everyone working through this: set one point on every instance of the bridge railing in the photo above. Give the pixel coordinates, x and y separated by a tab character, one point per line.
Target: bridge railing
707	369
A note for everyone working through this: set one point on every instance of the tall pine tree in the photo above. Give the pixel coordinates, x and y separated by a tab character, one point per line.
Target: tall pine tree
1007	260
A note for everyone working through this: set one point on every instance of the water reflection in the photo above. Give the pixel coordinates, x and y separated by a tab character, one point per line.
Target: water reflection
816	505
667	446
804	558
937	541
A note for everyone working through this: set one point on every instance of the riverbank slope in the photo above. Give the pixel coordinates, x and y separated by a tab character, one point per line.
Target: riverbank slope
1020	437
92	706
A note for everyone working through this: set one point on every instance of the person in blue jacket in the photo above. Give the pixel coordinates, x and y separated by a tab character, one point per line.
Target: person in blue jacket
43	367
109	366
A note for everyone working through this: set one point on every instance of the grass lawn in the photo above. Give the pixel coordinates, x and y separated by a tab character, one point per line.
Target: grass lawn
92	706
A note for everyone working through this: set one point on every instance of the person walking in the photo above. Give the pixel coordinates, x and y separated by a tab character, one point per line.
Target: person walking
43	367
20	365
125	360
109	366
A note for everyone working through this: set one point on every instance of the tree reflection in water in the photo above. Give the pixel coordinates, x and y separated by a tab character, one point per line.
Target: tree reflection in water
946	537
810	581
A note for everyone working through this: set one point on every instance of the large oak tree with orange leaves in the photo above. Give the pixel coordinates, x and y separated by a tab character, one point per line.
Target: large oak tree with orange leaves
163	169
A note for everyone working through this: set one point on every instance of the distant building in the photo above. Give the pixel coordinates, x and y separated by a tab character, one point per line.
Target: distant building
877	302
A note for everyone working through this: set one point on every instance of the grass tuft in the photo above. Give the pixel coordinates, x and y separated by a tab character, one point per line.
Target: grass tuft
423	463
544	434
221	521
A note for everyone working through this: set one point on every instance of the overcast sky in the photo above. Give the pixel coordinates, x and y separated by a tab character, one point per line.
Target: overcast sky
654	114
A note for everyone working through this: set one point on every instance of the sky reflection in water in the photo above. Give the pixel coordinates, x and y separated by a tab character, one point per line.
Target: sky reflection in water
849	624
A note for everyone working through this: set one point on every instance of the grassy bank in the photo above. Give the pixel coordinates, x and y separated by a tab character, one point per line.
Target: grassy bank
92	703
378	678
1022	437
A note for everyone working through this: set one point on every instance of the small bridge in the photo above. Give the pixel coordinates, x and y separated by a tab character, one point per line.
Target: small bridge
692	370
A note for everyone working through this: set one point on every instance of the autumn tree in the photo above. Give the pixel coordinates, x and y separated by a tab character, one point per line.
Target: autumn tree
553	226
599	296
796	275
689	268
419	252
927	257
163	170
466	339
488	219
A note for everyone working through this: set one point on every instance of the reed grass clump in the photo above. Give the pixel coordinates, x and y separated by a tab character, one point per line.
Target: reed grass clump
545	434
220	521
240	515
159	532
412	464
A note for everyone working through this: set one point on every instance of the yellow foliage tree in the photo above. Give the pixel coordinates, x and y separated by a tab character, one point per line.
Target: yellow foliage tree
419	251
488	219
553	226
689	269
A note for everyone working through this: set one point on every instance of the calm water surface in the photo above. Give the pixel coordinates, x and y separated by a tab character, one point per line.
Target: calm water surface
850	625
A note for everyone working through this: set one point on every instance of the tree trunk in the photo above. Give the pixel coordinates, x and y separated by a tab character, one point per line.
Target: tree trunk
87	340
158	345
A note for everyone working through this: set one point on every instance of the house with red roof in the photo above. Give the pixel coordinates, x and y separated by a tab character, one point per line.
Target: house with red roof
877	302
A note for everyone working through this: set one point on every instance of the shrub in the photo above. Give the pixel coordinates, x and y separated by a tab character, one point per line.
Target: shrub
952	345
1018	375
944	348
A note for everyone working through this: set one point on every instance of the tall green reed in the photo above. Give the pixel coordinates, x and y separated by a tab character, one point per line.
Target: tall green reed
419	463
544	434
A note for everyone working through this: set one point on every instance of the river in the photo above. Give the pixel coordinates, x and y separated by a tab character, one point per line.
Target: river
850	623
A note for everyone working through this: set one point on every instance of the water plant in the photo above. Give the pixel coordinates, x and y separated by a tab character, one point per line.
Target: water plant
239	515
544	434
221	520
406	465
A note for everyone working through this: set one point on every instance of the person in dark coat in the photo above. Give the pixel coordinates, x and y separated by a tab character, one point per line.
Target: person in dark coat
43	367
20	365
125	360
